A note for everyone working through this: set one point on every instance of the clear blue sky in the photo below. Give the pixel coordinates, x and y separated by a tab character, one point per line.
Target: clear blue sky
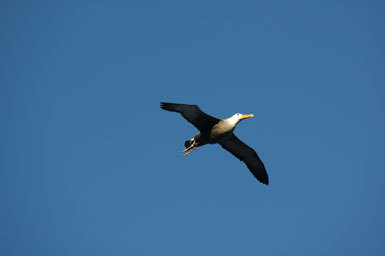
90	165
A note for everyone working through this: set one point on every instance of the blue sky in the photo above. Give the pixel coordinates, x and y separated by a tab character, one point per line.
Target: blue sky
90	165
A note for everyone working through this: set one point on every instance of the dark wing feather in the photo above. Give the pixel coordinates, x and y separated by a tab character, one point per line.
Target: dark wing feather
193	114
246	154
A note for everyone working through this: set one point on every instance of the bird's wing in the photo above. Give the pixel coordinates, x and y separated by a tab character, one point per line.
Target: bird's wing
246	154
193	114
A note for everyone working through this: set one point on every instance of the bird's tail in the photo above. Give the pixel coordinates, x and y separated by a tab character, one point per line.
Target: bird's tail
190	146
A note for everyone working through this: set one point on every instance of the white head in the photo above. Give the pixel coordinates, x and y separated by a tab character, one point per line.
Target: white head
236	118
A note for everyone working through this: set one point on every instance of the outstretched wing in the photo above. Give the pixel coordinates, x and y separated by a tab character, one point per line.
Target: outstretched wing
246	154
193	114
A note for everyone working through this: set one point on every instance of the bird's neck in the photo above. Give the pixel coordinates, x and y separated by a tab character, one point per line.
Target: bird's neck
231	122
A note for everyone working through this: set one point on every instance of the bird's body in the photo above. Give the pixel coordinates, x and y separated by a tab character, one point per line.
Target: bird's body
217	133
214	130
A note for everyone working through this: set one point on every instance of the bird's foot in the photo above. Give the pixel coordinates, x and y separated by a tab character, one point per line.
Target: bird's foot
189	150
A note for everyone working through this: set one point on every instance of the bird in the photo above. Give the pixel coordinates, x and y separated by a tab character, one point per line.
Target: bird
213	130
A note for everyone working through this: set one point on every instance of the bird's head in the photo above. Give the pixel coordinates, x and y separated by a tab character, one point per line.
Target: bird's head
236	118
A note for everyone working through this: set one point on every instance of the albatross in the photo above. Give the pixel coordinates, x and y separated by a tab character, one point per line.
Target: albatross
213	130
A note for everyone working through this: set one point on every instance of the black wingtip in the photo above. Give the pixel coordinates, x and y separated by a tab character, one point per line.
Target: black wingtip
266	182
170	106
165	105
258	170
264	179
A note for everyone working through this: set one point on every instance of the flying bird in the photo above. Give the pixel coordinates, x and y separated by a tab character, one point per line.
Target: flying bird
214	130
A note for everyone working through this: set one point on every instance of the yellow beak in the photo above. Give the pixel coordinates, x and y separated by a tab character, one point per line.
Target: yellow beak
246	116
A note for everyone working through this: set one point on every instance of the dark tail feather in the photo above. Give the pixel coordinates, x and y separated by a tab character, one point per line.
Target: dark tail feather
188	143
